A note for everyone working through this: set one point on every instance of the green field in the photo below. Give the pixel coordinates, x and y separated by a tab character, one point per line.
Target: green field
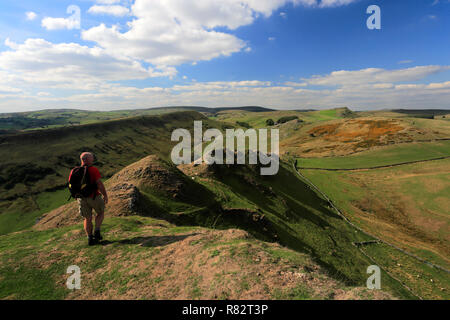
382	156
411	199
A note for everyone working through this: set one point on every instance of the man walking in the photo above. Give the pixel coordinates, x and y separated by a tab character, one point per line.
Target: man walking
93	200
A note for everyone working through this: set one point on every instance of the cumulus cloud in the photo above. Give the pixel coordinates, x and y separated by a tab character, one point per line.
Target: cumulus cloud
374	75
70	65
367	94
118	11
173	32
60	23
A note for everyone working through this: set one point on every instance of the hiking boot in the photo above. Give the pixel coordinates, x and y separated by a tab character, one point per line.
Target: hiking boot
97	235
91	240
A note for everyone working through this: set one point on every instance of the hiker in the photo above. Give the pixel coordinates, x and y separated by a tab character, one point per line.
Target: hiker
86	186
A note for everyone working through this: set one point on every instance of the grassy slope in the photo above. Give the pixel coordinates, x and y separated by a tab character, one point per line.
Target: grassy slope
382	156
258	119
147	258
40	162
405	205
294	213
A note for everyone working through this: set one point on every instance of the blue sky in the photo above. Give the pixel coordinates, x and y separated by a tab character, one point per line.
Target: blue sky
276	53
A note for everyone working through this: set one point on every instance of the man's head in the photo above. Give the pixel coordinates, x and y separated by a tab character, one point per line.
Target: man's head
87	158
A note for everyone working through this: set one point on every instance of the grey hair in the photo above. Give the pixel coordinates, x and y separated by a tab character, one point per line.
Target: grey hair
85	155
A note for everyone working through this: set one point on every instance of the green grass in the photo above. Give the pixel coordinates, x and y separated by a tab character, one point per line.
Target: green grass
383	156
299	292
20	216
424	280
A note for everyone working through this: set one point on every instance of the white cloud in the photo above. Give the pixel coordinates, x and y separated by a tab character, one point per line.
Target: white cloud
107	1
31	15
331	3
295	84
60	23
374	75
173	32
271	38
366	94
8	89
118	11
69	65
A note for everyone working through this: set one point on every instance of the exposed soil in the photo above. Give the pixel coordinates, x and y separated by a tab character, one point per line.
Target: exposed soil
348	136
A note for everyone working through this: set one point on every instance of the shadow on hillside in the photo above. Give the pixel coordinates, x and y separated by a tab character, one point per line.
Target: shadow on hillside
151	241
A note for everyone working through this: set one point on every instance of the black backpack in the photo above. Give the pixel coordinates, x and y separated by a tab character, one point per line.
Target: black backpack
79	183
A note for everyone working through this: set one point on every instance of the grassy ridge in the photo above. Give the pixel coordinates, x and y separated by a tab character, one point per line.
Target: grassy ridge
384	156
258	119
46	119
40	161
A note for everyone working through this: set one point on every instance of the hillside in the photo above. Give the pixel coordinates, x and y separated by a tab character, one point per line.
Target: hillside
224	198
34	174
165	241
147	258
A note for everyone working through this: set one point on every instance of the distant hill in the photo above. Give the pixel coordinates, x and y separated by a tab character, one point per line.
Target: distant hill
46	119
424	113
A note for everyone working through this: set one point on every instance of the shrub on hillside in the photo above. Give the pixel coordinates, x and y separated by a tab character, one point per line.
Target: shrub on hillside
286	119
243	124
270	122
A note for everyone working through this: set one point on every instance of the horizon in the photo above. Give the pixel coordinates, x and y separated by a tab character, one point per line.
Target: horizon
235	107
109	55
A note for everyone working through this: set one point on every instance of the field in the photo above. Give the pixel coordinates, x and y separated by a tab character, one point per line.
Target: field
382	156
